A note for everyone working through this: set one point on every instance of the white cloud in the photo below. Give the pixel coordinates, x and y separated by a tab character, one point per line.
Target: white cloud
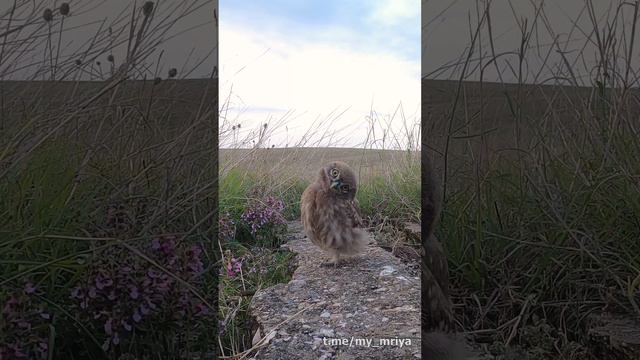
392	12
267	71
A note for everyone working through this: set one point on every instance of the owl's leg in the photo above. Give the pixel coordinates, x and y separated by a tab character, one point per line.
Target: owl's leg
335	259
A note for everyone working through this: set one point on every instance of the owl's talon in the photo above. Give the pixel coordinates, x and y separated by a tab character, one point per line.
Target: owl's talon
330	263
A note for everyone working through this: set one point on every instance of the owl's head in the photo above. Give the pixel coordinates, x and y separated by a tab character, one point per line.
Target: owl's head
339	179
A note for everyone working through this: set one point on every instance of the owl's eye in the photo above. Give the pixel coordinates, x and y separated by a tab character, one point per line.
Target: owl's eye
344	188
334	173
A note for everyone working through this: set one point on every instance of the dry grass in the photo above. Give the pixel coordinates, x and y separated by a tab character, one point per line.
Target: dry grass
303	163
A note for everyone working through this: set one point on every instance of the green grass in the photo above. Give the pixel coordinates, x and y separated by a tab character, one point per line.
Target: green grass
396	196
262	268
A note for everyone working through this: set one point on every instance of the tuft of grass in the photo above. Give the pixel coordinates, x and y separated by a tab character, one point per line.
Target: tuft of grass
260	268
395	196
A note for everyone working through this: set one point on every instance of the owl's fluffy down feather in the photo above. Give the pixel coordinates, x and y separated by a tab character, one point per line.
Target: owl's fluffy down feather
437	309
331	220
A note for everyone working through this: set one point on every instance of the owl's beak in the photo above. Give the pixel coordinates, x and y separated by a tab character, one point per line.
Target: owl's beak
335	184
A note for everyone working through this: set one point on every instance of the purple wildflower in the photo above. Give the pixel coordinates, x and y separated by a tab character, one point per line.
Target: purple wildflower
136	316
133	292
261	213
25	325
227	227
103	281
234	267
115	300
108	327
29	288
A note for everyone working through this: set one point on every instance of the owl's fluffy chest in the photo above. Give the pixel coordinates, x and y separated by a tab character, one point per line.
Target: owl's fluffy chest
329	221
329	207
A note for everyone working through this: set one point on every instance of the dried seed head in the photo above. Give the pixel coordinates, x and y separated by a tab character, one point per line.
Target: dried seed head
147	8
64	9
173	72
98	63
265	125
110	58
47	15
78	62
157	80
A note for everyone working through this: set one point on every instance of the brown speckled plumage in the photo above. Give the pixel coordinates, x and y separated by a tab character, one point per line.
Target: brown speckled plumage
435	271
437	315
330	214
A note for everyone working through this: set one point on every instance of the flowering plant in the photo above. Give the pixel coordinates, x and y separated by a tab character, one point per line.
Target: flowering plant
226	227
264	217
24	326
234	266
129	296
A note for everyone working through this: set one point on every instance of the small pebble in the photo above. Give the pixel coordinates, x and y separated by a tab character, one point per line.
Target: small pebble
326	332
387	270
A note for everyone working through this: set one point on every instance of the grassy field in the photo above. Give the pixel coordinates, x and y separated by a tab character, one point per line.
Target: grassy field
108	195
303	163
286	172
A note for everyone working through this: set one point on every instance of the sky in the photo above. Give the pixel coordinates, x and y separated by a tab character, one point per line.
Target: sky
320	73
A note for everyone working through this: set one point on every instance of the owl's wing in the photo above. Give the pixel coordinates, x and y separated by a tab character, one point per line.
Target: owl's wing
354	213
307	205
308	211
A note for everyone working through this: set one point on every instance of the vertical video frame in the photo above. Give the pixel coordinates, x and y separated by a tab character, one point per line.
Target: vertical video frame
530	116
108	179
319	180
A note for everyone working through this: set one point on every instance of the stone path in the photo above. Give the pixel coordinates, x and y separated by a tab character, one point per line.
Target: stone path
367	308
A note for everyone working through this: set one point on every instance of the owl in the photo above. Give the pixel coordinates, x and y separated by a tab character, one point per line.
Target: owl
437	315
436	311
330	215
